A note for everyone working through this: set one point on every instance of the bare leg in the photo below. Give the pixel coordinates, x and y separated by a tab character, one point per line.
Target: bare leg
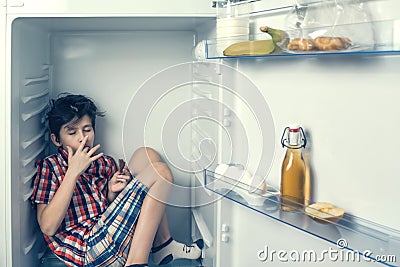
158	178
141	159
163	233
152	226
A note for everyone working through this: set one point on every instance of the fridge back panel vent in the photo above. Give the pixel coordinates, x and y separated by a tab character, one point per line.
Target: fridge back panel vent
27	99
36	80
30	91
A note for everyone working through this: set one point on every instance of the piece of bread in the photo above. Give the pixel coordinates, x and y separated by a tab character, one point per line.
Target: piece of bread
301	44
324	212
324	43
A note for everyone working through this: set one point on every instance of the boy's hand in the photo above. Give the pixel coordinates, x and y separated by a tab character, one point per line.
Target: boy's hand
119	180
79	161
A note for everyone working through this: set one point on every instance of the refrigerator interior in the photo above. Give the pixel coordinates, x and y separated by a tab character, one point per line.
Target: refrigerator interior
347	104
106	59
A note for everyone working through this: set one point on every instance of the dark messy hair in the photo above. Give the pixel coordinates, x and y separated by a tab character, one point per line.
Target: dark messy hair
68	107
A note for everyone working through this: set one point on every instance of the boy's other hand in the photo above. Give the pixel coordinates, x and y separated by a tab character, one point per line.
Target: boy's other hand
119	180
79	161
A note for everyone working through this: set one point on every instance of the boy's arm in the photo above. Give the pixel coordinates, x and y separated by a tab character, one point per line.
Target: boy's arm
51	215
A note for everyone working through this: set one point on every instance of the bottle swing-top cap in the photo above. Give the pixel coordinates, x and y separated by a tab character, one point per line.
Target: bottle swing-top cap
293	137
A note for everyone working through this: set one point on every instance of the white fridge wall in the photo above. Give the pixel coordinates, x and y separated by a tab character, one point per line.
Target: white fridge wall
110	68
29	83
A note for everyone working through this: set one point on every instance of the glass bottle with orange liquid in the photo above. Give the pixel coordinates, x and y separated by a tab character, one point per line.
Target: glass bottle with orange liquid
295	182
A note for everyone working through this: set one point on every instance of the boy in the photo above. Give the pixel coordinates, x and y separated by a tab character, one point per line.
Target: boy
90	213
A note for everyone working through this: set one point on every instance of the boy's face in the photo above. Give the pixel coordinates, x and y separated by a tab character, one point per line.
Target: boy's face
73	132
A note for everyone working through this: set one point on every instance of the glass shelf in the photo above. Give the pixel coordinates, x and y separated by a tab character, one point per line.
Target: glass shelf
369	31
366	239
387	46
376	50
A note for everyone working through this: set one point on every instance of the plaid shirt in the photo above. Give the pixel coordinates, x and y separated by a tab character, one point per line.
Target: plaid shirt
89	201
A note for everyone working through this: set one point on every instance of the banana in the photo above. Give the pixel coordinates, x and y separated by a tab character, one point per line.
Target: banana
280	37
250	48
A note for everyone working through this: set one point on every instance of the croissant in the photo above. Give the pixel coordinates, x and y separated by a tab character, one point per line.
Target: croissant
324	43
301	44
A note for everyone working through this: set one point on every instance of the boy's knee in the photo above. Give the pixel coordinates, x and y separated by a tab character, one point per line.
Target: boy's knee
142	158
163	171
148	153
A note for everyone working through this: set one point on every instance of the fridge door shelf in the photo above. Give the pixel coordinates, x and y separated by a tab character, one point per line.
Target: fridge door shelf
365	238
370	31
387	43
